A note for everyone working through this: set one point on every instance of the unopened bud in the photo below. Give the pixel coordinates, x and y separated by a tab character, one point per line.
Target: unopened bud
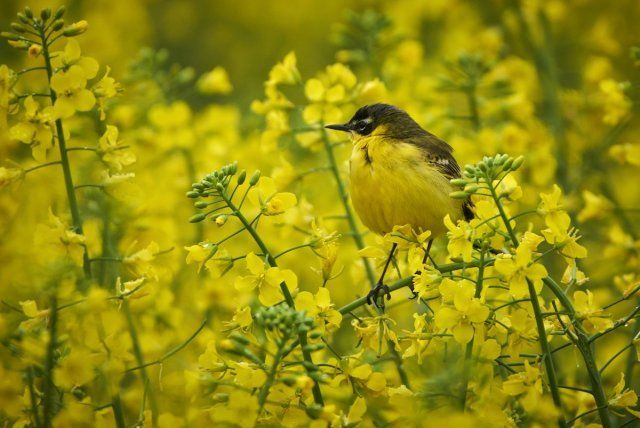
23	18
458	195
76	28
254	178
242	176
220	397
314	411
57	25
28	12
197	218
201	204
237	337
60	12
517	163
193	194
34	50
18	28
10	36
458	181
221	219
45	14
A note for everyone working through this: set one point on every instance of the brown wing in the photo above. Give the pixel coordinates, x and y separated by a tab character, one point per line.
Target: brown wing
440	155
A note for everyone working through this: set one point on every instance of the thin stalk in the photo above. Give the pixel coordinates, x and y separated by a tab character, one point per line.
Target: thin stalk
49	388
137	352
32	398
542	335
118	412
64	159
264	391
469	350
302	336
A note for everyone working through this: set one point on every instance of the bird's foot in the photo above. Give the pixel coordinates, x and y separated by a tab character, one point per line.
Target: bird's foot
372	297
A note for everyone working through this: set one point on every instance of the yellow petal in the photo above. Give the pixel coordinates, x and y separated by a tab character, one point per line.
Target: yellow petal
463	333
254	264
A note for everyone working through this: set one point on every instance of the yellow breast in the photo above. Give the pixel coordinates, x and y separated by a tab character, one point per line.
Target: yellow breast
392	184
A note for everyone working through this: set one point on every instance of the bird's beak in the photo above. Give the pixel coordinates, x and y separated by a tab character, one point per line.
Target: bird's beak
344	127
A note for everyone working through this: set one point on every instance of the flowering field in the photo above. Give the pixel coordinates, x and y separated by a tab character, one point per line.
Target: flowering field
178	247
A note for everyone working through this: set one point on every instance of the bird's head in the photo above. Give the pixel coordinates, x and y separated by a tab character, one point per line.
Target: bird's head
379	120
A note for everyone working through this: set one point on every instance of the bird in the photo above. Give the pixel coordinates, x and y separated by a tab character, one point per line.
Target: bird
400	174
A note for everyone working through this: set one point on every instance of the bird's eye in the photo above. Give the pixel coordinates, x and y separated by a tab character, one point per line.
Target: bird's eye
362	126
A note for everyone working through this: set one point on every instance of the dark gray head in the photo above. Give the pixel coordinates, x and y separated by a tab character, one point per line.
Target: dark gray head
397	123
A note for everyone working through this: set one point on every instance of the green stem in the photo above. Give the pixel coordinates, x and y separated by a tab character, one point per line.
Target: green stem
32	398
118	412
64	159
264	391
137	352
302	336
542	334
469	350
49	388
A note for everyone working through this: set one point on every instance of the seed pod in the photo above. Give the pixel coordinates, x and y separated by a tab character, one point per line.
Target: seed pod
197	218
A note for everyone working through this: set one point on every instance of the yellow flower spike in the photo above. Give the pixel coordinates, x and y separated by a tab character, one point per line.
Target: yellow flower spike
72	94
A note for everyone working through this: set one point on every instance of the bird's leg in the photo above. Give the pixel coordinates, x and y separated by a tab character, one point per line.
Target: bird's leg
424	260
372	297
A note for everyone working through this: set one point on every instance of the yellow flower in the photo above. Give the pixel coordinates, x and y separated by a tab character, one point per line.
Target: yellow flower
460	239
9	175
35	129
70	87
516	270
269	199
354	371
76	369
319	306
30	309
626	153
467	314
356	412
58	236
285	72
594	318
104	89
615	103
555	218
140	262
528	382
624	398
266	279
72	56
424	281
215	82
247	375
113	152
595	206
328	92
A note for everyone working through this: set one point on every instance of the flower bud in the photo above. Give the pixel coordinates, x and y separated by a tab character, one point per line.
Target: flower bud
28	12
471	170
34	50
60	12
201	204
242	176
237	337
459	195
220	397
10	36
458	182
254	178
197	218
507	164
314	411
288	380
45	14
18	28
471	188
517	163
221	219
315	335
57	25
23	18
76	28
193	194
